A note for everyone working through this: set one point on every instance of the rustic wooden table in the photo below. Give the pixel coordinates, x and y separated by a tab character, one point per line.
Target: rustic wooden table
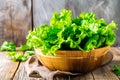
10	70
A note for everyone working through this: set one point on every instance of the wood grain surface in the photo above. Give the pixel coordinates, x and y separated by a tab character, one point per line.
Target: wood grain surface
7	67
15	20
21	72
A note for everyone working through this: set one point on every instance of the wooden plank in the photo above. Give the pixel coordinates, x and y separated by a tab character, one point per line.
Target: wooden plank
105	72
21	74
15	20
7	67
87	76
5	22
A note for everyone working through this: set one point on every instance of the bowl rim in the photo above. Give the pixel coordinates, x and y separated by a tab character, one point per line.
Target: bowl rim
50	56
86	52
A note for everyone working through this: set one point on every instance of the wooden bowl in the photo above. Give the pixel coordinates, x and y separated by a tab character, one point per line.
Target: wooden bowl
74	61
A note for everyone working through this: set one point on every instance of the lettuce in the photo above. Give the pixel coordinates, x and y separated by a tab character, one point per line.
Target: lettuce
116	70
7	46
84	32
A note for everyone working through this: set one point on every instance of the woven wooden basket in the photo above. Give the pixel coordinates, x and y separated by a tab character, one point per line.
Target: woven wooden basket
74	61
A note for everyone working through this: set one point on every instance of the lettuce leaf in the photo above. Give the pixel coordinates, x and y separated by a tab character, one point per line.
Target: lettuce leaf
7	46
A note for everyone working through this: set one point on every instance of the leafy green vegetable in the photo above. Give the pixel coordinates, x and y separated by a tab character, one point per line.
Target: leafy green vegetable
116	70
84	32
19	56
7	46
29	53
25	47
16	56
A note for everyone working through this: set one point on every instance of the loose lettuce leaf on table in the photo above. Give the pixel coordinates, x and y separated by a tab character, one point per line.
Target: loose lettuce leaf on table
7	46
19	56
116	70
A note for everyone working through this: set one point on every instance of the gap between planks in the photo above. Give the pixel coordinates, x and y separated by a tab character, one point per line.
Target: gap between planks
16	70
105	72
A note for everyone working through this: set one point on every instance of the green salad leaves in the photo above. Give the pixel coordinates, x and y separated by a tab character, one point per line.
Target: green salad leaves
14	54
25	47
84	32
116	70
19	56
7	46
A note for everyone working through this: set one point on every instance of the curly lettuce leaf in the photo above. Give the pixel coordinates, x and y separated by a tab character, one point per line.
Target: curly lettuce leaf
116	70
7	46
61	19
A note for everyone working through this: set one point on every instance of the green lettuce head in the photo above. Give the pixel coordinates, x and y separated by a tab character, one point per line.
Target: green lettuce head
84	32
